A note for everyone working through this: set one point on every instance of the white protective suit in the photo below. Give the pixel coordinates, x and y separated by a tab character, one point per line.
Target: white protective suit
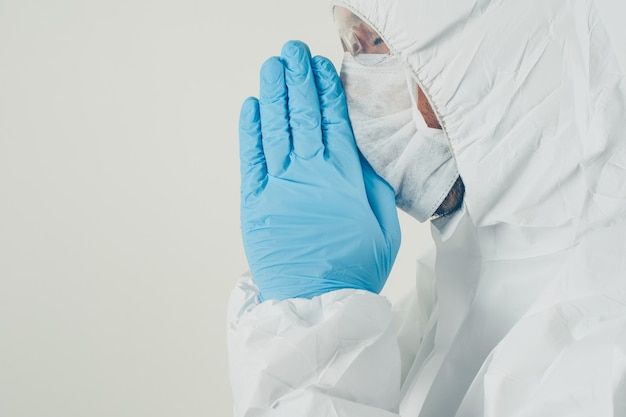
523	312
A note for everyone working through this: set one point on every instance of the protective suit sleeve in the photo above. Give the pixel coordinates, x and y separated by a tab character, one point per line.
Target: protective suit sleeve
333	355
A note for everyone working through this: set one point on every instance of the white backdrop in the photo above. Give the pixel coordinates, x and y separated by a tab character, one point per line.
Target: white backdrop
119	229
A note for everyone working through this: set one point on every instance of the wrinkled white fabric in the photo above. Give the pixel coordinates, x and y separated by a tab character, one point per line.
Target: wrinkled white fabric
416	162
523	312
306	356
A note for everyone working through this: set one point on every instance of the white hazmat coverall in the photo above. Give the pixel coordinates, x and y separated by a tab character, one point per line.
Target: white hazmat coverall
522	313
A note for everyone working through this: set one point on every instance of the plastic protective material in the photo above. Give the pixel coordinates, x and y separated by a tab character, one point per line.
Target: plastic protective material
523	312
313	218
359	39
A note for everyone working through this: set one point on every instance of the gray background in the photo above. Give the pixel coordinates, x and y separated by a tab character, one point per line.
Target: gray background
119	230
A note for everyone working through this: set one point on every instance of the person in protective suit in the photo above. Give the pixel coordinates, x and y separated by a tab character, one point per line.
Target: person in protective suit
501	122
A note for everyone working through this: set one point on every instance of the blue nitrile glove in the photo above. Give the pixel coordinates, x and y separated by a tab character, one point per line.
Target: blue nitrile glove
315	217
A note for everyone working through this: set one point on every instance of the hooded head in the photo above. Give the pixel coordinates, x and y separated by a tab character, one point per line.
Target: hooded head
531	102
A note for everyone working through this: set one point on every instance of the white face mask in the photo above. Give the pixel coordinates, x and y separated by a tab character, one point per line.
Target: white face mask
391	134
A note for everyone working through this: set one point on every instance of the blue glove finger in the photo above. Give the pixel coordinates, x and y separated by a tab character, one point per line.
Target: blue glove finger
251	157
274	116
382	199
336	129
304	108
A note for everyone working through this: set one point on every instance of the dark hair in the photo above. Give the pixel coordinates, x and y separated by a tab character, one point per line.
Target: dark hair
454	199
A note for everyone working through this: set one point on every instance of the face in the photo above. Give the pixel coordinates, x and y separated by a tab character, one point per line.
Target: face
359	39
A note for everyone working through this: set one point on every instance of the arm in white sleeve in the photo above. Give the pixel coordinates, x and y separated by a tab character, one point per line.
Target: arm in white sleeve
333	355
